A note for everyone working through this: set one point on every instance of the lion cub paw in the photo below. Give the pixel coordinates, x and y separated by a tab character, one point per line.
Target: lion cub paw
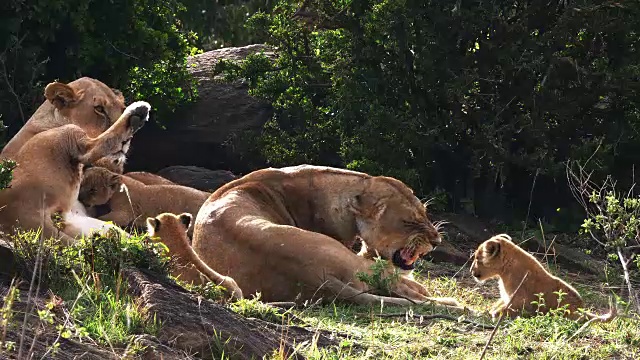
138	113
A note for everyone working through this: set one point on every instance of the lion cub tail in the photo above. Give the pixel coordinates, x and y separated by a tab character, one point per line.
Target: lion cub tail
613	312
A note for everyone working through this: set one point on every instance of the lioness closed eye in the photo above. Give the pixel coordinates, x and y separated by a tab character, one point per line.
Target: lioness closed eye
500	258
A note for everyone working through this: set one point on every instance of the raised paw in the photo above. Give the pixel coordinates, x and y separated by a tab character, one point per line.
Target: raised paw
138	114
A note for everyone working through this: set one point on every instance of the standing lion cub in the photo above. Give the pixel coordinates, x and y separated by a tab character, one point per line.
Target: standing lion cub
50	166
500	258
172	231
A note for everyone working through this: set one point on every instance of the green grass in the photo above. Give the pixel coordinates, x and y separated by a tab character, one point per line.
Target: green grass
368	336
87	278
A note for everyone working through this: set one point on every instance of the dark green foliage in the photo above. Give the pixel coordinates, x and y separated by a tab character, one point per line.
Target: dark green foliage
221	23
104	255
137	46
481	99
6	172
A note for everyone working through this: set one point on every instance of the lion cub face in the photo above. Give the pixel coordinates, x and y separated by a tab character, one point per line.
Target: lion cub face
169	226
98	186
488	260
88	103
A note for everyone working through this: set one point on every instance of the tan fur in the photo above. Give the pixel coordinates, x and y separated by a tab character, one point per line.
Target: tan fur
172	231
281	232
500	258
115	164
149	178
85	102
98	186
140	201
50	165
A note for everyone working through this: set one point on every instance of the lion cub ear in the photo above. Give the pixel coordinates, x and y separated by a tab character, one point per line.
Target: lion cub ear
62	95
185	219
115	180
368	206
492	248
153	225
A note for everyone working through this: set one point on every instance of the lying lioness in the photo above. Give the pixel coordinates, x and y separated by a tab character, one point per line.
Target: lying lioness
500	258
281	232
50	166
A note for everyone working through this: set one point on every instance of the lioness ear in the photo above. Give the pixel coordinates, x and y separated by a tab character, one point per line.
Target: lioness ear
492	248
185	219
118	94
368	206
61	95
153	225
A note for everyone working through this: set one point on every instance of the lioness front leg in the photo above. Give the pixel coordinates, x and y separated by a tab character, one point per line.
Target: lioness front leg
413	290
117	138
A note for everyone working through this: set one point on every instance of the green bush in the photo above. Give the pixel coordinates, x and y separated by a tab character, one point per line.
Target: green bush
87	277
137	46
6	172
482	99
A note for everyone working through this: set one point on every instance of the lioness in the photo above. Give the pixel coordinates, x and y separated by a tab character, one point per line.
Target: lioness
85	102
500	258
50	165
138	201
281	232
171	229
149	179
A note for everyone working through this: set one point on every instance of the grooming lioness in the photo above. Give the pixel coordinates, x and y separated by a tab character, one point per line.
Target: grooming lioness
281	232
500	258
85	102
172	231
50	166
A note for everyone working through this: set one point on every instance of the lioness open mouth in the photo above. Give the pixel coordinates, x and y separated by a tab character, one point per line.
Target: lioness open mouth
405	258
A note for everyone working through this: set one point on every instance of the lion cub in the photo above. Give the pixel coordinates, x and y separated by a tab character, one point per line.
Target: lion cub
500	258
50	166
172	231
138	201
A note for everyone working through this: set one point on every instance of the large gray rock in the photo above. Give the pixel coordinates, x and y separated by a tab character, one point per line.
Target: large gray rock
203	133
197	177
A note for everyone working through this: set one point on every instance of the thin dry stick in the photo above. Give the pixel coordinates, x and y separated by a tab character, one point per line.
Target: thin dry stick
33	279
625	268
437	316
493	333
533	186
39	271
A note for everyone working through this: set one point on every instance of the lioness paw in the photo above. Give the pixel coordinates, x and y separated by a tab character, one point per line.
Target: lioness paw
138	113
